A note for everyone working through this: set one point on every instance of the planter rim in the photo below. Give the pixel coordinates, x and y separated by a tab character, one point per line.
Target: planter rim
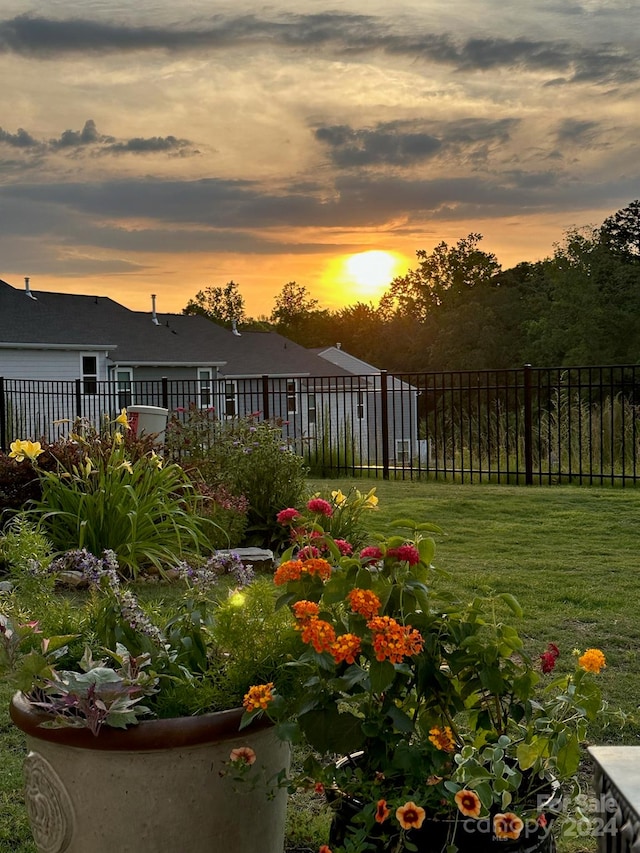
147	735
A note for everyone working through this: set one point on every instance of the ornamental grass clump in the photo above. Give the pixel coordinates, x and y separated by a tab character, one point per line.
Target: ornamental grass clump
105	498
442	718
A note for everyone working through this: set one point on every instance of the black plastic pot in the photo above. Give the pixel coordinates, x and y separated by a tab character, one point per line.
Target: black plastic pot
469	835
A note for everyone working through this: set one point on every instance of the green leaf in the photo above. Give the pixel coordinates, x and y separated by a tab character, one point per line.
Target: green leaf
329	731
512	603
381	673
427	550
400	719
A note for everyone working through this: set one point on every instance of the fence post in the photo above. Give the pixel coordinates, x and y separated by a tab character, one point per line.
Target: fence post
3	417
384	411
165	392
528	428
78	399
265	397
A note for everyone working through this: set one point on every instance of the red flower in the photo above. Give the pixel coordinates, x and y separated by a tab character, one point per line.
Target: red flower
287	516
344	547
407	553
549	657
320	506
371	553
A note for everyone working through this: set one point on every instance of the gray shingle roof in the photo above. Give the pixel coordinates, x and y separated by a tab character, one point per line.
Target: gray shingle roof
58	319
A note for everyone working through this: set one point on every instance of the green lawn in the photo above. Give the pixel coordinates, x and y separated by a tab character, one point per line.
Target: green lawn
568	554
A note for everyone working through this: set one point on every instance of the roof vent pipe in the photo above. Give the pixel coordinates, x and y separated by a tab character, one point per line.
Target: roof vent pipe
154	318
27	289
234	329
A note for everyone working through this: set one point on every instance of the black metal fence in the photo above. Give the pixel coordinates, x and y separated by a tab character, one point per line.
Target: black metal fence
521	426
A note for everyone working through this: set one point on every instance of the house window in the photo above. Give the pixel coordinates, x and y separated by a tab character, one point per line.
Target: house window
89	374
230	399
403	451
124	379
292	400
360	406
311	409
205	387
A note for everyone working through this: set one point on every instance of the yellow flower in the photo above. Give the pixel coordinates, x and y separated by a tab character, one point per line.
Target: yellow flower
258	697
117	438
25	449
469	803
442	739
122	419
507	825
338	497
126	465
371	500
593	660
410	816
155	460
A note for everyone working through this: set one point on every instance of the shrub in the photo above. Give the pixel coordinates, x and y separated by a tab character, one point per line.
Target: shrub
248	457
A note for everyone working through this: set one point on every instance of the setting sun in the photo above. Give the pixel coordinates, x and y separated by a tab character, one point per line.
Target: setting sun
369	273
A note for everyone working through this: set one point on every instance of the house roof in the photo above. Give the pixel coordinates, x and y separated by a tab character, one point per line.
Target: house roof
338	356
63	320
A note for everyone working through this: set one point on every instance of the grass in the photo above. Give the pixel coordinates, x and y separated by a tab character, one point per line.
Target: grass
568	554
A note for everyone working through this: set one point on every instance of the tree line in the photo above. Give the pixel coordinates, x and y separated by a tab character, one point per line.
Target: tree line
458	309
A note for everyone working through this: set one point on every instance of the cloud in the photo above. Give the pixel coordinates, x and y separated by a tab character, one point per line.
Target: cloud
577	131
75	141
21	139
344	35
405	143
385	144
356	201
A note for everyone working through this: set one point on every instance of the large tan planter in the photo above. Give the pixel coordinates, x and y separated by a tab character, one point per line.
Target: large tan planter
153	788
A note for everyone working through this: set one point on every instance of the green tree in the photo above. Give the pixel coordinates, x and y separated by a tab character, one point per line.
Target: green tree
223	305
292	305
446	274
621	231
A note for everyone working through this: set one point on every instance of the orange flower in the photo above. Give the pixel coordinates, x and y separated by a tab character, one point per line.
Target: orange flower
364	602
410	816
507	825
382	812
592	660
318	566
442	739
243	754
303	611
258	697
468	802
345	648
288	571
392	640
319	634
324	849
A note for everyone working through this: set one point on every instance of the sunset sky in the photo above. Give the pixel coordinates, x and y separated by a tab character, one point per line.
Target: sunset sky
165	147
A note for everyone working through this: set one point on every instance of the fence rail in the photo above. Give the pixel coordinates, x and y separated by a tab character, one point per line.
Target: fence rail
521	426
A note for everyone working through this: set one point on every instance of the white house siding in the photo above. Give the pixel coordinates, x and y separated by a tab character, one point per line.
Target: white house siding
48	364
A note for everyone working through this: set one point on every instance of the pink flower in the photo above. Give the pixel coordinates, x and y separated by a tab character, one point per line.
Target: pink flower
320	506
287	516
344	547
309	552
243	754
371	552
